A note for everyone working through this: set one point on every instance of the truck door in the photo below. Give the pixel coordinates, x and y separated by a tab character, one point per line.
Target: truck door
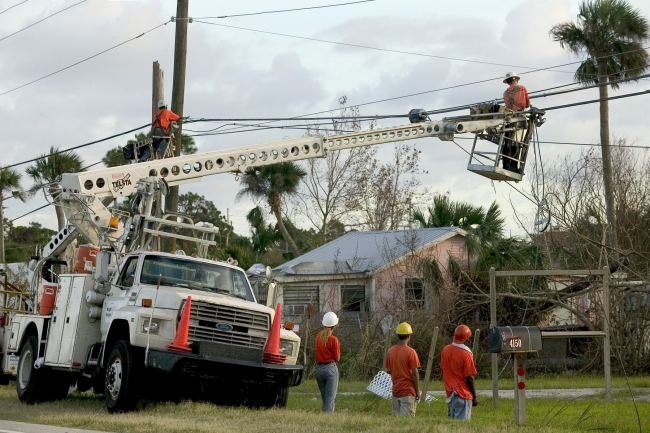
55	332
73	308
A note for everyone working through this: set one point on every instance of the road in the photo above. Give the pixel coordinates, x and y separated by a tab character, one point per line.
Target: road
21	427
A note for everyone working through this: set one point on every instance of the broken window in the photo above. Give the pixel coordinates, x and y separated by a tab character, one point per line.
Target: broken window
414	293
353	298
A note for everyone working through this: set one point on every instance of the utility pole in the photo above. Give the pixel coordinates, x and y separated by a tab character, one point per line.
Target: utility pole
2	235
178	94
158	87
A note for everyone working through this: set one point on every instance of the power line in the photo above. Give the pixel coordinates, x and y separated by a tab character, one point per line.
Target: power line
368	47
30	212
80	146
40	21
284	10
87	58
11	7
592	101
576	144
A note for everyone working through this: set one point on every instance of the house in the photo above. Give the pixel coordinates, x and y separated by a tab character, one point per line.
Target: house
372	273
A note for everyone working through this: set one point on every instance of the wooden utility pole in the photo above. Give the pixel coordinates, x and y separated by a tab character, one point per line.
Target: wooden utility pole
178	94
158	87
2	234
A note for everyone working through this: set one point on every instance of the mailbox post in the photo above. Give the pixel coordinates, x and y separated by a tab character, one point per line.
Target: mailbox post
518	341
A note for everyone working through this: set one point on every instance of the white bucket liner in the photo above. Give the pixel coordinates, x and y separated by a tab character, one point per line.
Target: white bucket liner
382	386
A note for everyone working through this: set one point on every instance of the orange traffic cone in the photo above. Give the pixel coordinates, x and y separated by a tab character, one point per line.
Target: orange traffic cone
180	342
272	353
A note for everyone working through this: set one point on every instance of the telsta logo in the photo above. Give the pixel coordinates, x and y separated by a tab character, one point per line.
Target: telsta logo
121	183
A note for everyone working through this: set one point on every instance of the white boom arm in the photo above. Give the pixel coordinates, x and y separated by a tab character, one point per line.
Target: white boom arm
81	191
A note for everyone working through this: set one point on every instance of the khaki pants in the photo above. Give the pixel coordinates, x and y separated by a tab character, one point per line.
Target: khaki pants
404	406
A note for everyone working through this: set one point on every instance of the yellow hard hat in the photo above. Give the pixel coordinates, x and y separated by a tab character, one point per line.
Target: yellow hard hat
404	329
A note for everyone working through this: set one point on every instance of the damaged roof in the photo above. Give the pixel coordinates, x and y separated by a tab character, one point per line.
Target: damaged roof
365	251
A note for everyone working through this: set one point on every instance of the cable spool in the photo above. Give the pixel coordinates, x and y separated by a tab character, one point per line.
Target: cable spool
94	298
94	312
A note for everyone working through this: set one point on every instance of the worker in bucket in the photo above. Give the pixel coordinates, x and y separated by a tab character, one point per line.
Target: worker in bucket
402	362
516	99
160	130
457	364
328	353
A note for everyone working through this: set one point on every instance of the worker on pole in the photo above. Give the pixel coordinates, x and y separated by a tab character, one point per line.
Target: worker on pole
458	370
160	130
516	99
328	353
402	362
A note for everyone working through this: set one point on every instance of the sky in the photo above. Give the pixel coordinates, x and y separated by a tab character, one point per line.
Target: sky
232	72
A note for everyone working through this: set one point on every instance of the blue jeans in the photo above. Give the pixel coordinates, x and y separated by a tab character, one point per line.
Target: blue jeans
459	408
327	377
158	143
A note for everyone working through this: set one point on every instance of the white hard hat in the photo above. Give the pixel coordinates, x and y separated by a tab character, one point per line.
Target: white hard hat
162	103
330	320
511	75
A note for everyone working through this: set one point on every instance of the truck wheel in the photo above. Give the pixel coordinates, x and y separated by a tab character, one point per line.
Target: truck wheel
282	397
122	372
31	384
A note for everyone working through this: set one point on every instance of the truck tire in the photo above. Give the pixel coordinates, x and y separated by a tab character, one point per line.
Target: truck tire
121	378
282	397
31	383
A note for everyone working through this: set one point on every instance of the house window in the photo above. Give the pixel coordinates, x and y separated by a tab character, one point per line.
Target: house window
298	299
414	293
353	298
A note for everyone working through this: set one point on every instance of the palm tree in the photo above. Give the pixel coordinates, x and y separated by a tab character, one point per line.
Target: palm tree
272	183
47	171
611	33
483	227
10	185
263	236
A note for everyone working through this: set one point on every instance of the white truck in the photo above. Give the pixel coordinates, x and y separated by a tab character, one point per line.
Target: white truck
114	328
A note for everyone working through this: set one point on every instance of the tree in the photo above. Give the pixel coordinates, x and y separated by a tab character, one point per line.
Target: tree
612	34
10	185
387	192
47	171
263	236
200	210
21	241
483	227
329	194
272	183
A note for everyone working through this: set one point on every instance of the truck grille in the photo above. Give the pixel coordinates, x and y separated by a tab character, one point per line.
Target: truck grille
209	315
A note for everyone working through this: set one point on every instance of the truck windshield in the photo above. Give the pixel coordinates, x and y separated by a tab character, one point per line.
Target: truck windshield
196	275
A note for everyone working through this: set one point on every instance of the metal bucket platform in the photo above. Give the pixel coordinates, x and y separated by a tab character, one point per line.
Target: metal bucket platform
494	173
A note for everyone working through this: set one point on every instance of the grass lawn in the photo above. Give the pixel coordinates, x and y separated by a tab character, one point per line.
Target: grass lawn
354	413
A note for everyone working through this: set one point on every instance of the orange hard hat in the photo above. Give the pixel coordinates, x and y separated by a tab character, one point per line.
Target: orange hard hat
462	334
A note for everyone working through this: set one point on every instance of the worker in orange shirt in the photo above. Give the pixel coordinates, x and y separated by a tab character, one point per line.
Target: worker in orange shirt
160	130
328	353
516	99
402	362
458	370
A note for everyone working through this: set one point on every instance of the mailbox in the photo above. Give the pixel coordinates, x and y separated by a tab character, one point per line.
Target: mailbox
515	339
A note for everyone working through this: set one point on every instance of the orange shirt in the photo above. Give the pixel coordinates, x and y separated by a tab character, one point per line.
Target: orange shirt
516	98
163	118
457	364
401	360
328	352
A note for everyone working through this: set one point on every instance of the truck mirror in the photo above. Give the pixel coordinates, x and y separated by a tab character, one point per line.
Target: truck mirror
515	339
272	295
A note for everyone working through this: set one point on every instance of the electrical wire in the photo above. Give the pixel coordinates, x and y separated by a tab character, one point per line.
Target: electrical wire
11	7
40	21
367	47
30	212
79	146
285	10
84	60
572	144
592	101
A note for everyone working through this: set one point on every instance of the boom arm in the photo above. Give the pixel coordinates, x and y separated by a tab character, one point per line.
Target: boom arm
81	191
